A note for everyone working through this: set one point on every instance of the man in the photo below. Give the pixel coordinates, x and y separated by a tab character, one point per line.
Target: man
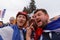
44	30
17	31
1	24
11	21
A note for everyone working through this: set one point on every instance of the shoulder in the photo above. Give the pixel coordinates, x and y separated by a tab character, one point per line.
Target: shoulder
14	27
8	28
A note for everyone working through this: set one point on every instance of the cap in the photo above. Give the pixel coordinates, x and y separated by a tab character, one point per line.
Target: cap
22	13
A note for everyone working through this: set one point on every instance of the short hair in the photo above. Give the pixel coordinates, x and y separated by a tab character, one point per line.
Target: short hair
43	10
12	18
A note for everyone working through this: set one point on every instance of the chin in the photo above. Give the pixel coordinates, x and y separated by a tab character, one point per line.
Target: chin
39	25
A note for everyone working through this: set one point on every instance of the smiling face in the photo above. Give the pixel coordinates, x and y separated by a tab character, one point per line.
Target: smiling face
41	18
21	19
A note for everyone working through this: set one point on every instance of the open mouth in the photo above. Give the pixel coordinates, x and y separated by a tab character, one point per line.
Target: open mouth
38	21
21	21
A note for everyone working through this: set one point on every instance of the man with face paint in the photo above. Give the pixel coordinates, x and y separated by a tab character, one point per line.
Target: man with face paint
45	30
17	31
21	19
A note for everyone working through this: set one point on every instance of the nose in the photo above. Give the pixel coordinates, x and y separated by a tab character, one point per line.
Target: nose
21	18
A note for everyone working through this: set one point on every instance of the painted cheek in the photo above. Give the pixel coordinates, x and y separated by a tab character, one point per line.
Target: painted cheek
24	20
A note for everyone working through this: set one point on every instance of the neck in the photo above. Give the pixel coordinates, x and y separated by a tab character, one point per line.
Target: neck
20	27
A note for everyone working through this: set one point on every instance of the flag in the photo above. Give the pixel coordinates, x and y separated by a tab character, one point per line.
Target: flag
0	13
3	13
53	25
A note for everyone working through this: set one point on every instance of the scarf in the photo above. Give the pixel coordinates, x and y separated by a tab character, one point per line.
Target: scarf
38	33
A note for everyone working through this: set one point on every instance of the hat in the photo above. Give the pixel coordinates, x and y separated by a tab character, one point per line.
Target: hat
22	13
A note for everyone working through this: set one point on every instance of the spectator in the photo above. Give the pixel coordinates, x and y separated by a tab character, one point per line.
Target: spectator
17	31
44	30
1	24
11	22
12	19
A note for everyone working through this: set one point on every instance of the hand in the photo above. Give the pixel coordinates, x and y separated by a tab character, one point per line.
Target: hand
29	31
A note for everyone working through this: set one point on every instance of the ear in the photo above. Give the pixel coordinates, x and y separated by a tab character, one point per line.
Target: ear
47	16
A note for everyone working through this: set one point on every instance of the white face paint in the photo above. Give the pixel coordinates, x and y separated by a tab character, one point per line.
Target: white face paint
21	19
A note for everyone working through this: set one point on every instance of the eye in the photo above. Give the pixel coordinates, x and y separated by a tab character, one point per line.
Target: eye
39	14
24	17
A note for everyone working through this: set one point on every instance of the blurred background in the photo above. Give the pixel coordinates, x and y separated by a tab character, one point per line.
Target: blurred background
9	8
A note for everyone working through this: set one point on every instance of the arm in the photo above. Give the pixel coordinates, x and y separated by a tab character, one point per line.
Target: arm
28	34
